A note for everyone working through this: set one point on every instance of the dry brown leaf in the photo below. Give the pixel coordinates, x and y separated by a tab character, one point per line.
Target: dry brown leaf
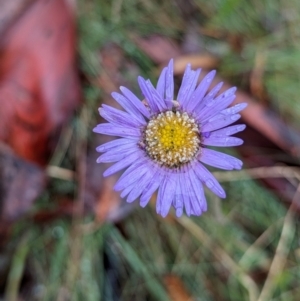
159	48
205	61
176	289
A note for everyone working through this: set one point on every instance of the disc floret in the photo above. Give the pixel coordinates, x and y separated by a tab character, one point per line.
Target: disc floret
172	138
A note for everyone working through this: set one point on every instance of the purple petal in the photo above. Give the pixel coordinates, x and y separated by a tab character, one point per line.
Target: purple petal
214	106
219	160
119	117
198	193
215	124
208	179
234	109
229	111
178	198
156	96
114	130
169	194
127	190
185	190
184	84
169	83
195	198
222	141
154	106
188	85
199	93
151	188
142	160
132	176
210	95
138	189
228	131
128	104
161	83
166	195
117	154
159	197
122	164
135	102
115	143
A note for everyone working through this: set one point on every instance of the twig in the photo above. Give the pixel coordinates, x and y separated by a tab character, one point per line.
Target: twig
60	173
222	256
259	173
251	173
282	251
260	242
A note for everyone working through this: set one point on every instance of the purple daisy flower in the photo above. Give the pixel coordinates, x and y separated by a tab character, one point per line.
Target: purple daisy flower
163	141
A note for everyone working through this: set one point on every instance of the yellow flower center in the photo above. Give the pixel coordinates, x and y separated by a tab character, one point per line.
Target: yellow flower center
172	138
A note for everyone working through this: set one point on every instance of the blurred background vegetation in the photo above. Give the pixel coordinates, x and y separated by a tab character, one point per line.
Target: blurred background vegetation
245	247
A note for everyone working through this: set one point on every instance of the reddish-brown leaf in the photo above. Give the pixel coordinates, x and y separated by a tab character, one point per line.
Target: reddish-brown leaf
39	90
176	289
38	81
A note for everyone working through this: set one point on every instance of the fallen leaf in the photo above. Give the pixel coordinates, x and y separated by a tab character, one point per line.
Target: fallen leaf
39	89
21	183
205	61
39	86
10	11
176	289
159	48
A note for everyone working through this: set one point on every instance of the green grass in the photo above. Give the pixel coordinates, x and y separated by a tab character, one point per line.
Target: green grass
211	255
